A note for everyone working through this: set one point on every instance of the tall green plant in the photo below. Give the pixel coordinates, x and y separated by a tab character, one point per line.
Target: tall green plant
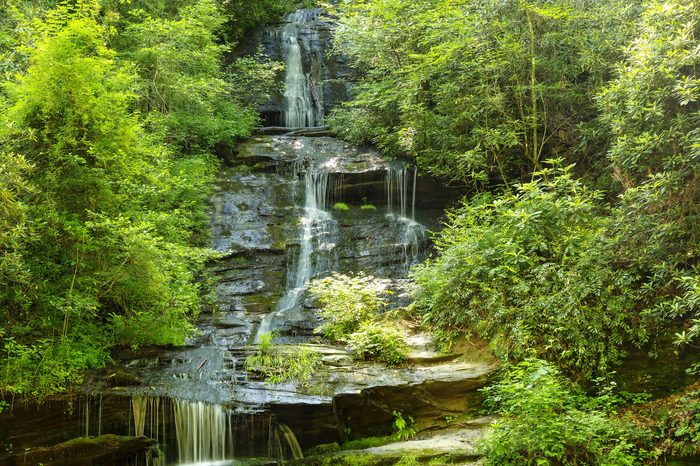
487	89
182	87
652	110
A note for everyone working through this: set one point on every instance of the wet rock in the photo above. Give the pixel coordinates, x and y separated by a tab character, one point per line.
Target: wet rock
121	378
316	131
329	75
447	446
105	450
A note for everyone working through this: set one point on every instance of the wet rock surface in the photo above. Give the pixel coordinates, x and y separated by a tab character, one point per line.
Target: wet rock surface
83	451
451	445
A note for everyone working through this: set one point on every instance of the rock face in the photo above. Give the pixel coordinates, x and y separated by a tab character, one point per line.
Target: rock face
258	217
330	79
453	445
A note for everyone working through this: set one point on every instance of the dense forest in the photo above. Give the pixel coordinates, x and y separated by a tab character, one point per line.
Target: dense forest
573	127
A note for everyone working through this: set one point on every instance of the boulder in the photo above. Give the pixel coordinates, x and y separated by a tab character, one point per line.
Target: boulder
106	450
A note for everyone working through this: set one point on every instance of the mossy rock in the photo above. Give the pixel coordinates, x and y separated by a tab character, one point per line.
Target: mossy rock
120	378
105	450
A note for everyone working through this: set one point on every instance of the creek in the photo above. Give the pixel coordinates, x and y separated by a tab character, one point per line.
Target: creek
286	209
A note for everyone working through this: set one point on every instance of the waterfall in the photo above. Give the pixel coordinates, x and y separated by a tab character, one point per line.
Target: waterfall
290	440
413	242
200	429
149	415
397	193
138	406
299	108
413	235
316	236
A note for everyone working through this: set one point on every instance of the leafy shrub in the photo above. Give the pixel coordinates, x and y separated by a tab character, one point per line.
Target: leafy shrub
541	422
350	312
48	366
368	207
381	341
530	270
403	427
114	213
276	366
346	302
673	423
341	207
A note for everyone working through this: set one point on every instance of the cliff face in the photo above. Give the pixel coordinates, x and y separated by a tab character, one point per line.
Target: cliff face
329	76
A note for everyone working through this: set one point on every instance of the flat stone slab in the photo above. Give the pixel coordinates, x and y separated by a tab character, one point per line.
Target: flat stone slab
454	446
452	441
328	154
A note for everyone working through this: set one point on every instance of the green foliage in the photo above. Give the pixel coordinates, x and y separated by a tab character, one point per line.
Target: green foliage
46	366
181	86
541	422
478	90
674	423
350	312
367	442
114	216
380	341
403	427
651	111
651	107
14	276
322	449
408	460
528	271
253	78
243	15
277	366
341	207
346	302
368	207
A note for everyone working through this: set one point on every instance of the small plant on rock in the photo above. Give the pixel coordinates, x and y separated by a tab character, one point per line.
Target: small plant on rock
381	341
351	313
277	367
403	426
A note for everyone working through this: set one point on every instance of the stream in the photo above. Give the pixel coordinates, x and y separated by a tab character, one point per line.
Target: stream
278	221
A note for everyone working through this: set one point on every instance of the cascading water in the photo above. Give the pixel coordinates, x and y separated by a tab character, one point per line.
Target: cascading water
399	198
398	178
286	438
299	108
316	239
201	430
203	434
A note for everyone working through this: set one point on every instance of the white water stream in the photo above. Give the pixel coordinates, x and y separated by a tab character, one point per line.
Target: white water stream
399	198
317	233
299	109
